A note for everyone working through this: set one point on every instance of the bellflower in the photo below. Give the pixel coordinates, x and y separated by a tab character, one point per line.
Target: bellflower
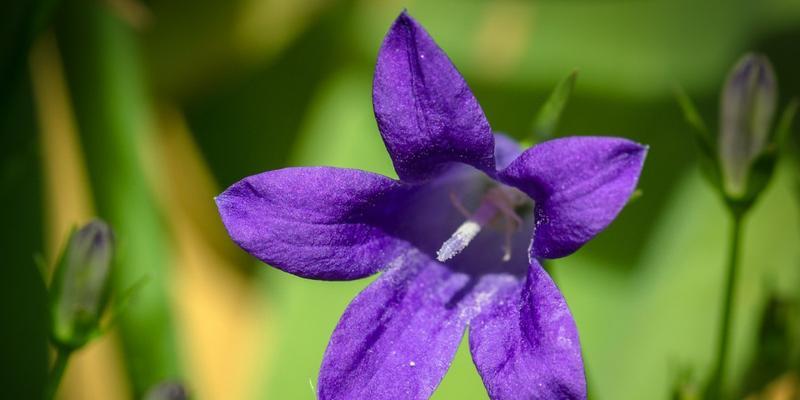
452	237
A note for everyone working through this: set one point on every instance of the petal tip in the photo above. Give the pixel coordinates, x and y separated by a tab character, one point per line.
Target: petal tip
640	153
405	17
404	20
643	148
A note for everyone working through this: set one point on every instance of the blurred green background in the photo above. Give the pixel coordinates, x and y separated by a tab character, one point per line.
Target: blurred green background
141	111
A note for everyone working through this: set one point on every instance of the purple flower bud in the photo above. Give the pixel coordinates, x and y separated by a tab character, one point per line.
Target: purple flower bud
168	390
747	107
80	285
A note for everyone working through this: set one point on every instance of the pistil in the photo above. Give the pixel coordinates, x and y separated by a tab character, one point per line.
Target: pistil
498	200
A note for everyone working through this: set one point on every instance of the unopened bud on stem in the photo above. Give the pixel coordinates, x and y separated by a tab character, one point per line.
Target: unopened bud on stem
80	287
168	390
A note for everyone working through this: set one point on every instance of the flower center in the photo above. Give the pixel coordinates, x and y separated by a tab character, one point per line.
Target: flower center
499	202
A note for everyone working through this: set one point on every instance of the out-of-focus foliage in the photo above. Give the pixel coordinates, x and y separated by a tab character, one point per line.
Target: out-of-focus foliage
113	112
23	312
546	120
264	84
777	349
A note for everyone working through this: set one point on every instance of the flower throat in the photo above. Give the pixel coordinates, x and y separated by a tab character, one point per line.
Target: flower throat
498	203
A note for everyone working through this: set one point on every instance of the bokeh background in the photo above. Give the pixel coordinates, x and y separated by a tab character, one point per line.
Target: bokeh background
141	111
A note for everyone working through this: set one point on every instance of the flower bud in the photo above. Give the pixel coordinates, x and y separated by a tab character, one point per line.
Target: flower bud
80	287
746	111
168	390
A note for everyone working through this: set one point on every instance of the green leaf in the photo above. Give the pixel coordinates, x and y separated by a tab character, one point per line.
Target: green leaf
692	116
121	303
23	314
784	126
41	267
547	119
774	352
709	163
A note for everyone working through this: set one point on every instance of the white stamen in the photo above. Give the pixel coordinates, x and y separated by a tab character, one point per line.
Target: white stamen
509	231
498	200
459	241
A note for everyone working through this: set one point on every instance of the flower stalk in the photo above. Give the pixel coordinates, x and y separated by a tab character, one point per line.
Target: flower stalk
79	293
714	390
57	372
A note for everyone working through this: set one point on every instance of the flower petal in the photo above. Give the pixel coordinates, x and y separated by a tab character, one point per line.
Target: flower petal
397	338
526	345
506	150
426	113
579	184
319	222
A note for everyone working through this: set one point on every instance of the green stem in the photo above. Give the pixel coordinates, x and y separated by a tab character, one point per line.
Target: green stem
62	356
717	377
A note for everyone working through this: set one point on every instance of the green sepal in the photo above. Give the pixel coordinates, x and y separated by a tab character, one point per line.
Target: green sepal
760	172
706	144
546	121
636	195
117	307
711	171
692	116
763	167
784	127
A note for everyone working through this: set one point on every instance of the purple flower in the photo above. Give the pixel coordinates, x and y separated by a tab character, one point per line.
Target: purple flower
452	237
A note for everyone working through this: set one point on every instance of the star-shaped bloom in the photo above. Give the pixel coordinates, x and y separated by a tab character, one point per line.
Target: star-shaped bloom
456	239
